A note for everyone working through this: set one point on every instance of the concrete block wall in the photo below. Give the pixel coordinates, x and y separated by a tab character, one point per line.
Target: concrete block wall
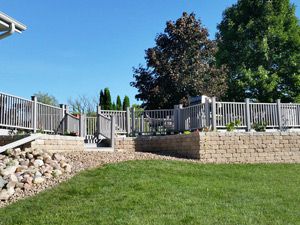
58	143
181	145
254	147
216	147
51	143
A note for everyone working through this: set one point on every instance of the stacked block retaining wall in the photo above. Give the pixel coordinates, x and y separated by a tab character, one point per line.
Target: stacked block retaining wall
51	143
227	147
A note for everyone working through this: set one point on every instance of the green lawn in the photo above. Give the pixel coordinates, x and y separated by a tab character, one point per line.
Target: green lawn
167	192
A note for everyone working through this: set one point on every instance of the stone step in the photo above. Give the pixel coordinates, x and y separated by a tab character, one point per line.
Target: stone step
99	149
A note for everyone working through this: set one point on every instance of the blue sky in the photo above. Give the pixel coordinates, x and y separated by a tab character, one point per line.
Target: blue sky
78	47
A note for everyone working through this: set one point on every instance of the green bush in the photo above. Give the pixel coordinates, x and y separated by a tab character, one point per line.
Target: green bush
233	125
259	127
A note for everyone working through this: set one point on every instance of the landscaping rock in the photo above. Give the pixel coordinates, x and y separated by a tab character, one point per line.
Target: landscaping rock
56	169
38	163
38	180
11	184
4	195
57	157
56	173
8	170
29	155
10	191
13	178
2	182
68	168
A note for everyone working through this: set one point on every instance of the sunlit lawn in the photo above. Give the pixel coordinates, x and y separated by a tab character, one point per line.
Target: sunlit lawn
167	192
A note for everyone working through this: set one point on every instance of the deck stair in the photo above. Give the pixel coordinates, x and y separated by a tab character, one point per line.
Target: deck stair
20	142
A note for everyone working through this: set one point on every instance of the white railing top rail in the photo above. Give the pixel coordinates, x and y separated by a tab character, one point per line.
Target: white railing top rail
230	102
14	96
52	106
194	106
156	110
28	100
72	116
113	111
262	103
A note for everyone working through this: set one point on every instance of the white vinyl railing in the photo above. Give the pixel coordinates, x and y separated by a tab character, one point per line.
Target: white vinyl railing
24	114
48	117
120	119
91	129
290	115
16	112
227	112
211	115
91	125
72	124
152	121
20	113
193	117
105	126
264	113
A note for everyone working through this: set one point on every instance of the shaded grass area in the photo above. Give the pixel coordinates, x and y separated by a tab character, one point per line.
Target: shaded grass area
167	192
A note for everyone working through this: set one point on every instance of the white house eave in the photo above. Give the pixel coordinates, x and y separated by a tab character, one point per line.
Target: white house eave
6	21
3	24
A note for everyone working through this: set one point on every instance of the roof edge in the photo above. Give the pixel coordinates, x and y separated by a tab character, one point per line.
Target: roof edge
9	20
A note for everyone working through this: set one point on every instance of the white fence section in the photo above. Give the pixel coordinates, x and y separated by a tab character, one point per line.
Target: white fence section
20	113
48	117
209	115
290	115
24	114
72	124
105	126
194	117
120	119
265	113
16	112
227	112
91	129
152	121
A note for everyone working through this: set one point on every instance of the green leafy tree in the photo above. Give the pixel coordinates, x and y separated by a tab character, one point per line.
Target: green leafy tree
46	98
101	99
136	106
113	106
126	102
259	41
107	105
181	64
119	103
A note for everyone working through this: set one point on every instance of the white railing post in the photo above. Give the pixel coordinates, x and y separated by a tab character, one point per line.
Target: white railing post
113	122
278	102
128	121
177	117
133	121
248	121
63	114
82	125
214	113
34	113
66	118
142	124
207	112
98	120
